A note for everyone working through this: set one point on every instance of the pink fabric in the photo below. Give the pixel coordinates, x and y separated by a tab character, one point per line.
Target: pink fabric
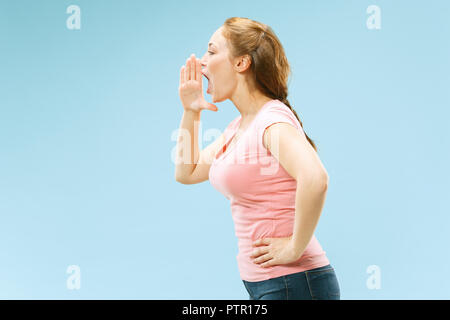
261	193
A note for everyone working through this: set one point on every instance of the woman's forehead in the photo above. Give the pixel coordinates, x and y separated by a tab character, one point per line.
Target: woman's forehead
217	38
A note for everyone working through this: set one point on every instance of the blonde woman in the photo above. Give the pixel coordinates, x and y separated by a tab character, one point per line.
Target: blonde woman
263	162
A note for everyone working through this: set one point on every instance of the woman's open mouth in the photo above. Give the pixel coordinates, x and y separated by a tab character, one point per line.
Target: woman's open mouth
209	84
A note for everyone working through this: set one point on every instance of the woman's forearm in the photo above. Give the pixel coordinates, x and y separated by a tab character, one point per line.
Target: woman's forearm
187	152
310	199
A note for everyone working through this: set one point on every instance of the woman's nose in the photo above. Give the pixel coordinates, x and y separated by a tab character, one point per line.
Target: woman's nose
202	61
203	66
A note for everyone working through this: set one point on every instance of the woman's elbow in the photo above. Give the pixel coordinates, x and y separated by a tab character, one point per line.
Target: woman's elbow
325	181
317	181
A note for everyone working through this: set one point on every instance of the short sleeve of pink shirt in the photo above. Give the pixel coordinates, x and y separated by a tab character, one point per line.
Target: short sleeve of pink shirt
261	193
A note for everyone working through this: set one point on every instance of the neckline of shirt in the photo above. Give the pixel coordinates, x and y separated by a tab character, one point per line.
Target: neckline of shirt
227	151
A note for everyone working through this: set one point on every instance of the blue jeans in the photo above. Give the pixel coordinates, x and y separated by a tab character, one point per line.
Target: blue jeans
315	284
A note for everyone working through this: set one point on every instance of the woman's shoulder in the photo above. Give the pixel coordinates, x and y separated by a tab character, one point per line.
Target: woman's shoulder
278	112
278	106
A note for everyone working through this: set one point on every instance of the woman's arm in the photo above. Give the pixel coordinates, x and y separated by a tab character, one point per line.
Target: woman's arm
187	152
309	201
296	155
191	96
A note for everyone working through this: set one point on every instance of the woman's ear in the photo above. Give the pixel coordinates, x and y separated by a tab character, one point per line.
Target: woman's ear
243	63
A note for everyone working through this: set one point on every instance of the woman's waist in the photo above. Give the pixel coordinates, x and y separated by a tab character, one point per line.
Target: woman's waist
248	230
245	246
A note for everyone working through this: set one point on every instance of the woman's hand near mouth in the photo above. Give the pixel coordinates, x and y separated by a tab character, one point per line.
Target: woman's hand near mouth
191	87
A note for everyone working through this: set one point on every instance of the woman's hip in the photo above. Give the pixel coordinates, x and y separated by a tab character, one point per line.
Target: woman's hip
314	284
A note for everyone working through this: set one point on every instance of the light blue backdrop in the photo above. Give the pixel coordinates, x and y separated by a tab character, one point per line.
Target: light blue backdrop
87	124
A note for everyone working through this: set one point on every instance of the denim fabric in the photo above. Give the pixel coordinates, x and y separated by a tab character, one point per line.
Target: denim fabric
315	284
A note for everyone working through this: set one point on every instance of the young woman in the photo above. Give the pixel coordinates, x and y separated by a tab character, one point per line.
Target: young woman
264	162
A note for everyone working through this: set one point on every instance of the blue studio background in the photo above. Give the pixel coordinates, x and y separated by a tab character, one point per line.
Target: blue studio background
88	122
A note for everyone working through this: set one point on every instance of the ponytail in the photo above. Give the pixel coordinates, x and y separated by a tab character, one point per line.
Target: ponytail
286	102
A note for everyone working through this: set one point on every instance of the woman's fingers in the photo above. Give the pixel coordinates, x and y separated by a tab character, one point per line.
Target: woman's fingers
192	71
259	251
188	69
182	75
263	258
193	65
259	242
198	69
212	107
268	263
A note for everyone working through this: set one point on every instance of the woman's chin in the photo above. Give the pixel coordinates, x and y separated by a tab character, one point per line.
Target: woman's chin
214	97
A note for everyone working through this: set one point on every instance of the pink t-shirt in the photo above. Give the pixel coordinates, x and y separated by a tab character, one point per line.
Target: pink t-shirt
261	193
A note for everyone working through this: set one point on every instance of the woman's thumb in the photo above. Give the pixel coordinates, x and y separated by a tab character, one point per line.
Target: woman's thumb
212	107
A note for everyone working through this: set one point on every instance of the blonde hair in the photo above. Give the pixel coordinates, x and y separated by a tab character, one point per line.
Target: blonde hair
270	68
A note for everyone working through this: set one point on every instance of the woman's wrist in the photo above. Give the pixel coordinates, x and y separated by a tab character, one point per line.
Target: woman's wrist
294	246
